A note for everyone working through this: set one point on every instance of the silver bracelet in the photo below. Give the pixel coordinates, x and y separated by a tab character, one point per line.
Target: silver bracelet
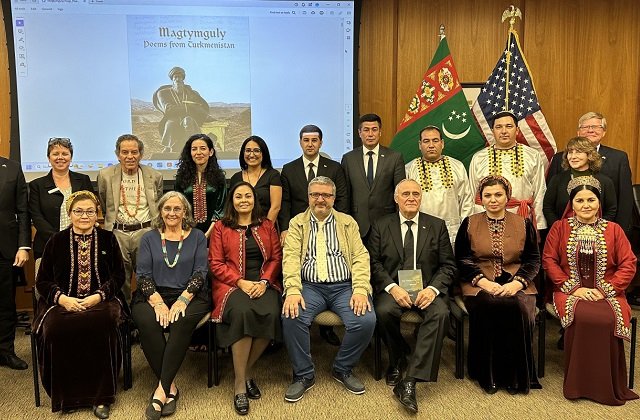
184	300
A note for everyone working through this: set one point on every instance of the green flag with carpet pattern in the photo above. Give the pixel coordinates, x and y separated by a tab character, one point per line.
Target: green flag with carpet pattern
440	101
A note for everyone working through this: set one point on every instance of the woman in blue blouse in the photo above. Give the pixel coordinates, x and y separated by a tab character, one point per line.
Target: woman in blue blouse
171	294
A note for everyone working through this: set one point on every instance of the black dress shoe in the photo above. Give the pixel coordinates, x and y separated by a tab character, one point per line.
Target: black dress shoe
13	362
329	336
490	389
241	404
405	391
394	373
253	391
512	390
101	411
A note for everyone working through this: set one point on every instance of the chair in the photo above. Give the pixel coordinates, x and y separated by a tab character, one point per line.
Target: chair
459	311
632	351
409	317
125	333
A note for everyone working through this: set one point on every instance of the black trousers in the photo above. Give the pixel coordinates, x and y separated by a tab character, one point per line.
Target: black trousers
8	317
424	362
165	356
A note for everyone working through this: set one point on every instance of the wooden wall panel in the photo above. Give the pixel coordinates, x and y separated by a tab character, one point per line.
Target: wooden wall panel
584	55
587	55
377	63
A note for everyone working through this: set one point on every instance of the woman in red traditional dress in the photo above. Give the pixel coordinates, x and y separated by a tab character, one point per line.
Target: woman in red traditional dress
591	263
245	258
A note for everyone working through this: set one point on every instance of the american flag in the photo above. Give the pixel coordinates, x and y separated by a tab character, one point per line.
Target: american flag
511	82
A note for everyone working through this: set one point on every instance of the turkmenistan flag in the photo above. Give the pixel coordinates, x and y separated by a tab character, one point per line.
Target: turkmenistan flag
440	101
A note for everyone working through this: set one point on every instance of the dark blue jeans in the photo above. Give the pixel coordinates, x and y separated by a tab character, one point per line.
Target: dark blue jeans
319	297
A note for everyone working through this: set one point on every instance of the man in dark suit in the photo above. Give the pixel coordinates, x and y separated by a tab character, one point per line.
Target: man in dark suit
411	242
14	252
615	165
373	171
295	177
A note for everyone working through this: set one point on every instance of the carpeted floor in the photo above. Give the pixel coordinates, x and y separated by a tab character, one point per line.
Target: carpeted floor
449	398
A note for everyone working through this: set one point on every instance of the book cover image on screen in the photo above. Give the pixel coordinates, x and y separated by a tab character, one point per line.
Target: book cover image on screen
204	49
166	70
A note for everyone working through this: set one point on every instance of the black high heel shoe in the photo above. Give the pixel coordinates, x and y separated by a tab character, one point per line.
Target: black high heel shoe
253	391
241	404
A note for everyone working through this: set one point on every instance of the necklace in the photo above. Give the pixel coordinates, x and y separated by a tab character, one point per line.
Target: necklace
443	166
515	156
164	250
123	197
257	178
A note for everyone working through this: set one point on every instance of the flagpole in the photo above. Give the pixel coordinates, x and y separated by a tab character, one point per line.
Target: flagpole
511	13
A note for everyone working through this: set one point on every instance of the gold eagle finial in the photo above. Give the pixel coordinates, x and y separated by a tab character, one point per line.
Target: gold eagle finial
511	13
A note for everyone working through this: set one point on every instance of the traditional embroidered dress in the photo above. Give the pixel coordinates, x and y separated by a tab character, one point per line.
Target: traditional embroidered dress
500	328
80	352
596	256
207	202
522	167
446	192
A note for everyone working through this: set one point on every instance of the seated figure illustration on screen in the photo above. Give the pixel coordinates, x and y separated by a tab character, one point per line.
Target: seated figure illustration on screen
184	111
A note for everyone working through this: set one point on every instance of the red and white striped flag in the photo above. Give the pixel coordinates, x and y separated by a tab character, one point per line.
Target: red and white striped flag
510	88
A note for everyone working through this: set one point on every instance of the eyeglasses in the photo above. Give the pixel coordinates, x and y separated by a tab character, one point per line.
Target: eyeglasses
254	151
80	212
316	195
176	210
590	127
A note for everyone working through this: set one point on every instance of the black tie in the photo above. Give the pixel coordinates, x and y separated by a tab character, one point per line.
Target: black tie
408	247
370	168
311	173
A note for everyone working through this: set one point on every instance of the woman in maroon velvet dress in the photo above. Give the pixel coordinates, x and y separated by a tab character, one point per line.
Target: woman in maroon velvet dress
79	311
591	263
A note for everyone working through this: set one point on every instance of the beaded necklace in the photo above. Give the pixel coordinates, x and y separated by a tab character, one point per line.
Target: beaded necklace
164	249
443	166
123	197
516	160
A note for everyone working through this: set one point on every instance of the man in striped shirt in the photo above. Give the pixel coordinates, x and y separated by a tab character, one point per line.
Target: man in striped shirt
325	266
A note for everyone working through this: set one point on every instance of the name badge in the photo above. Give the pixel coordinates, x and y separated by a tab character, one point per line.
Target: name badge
56	189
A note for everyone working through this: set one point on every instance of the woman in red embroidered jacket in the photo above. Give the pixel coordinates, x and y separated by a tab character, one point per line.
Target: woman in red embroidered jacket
591	263
245	259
